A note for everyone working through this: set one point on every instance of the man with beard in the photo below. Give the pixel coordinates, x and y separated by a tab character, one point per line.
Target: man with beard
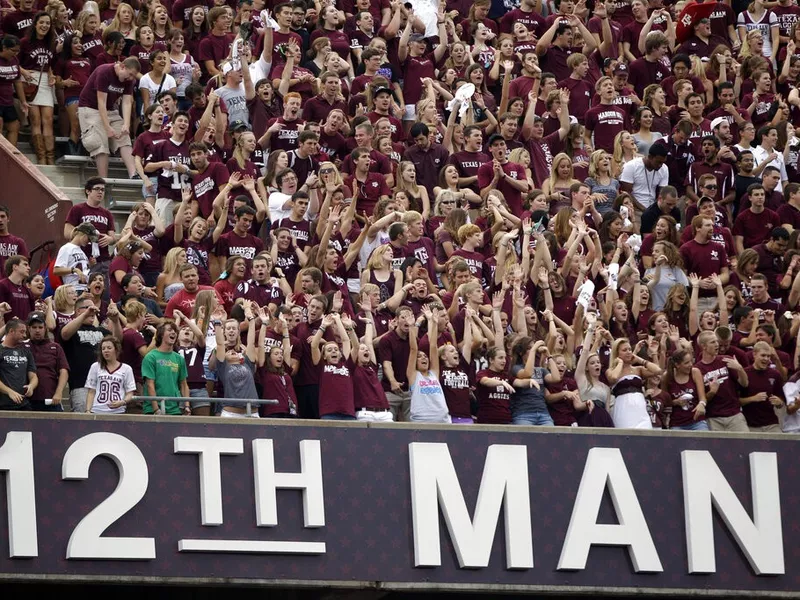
81	339
165	373
282	133
171	160
52	367
18	379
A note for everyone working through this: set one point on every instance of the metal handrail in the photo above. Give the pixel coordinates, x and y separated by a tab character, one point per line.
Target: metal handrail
162	400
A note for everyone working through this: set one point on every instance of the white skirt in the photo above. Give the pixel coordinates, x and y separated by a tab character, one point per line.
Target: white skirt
630	412
44	95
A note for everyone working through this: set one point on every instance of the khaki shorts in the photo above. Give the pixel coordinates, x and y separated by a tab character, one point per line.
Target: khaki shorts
774	428
93	132
735	423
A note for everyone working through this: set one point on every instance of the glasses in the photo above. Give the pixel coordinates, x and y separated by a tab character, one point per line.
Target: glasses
710	187
325	171
447	202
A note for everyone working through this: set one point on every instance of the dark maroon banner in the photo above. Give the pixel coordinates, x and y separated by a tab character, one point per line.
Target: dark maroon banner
356	523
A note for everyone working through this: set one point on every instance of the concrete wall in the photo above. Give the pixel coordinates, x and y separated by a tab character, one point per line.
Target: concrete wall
38	208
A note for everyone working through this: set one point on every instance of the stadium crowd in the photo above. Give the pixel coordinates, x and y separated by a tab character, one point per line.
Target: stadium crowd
572	213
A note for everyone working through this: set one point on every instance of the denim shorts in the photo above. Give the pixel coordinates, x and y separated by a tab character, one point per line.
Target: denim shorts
154	181
199	393
532	418
71	101
696	426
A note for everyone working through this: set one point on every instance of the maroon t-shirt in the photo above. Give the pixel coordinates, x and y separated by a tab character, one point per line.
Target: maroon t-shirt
286	138
367	388
132	340
247	246
468	163
9	73
10	245
605	121
19	298
146	143
50	359
336	388
494	402
512	195
755	228
170	182
206	187
276	386
704	260
369	191
215	48
415	69
100	217
196	377
104	79
455	385
769	380
683	415
726	401
643	72
332	145
392	348
542	152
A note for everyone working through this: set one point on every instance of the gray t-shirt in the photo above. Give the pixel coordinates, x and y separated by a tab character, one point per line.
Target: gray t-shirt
529	399
236	103
238	379
15	364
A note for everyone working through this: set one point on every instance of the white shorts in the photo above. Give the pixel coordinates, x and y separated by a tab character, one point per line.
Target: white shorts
164	210
373	416
232	415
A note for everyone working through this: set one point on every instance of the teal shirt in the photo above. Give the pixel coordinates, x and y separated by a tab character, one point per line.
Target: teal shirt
167	370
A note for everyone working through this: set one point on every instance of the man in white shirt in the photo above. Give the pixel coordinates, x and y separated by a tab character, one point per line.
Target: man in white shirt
72	265
642	177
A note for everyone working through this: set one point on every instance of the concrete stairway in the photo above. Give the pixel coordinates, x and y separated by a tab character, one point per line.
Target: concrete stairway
70	172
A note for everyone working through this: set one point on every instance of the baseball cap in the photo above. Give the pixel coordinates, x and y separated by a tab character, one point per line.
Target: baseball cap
36	317
88	229
495	137
381	90
238	124
717	122
416	37
621	69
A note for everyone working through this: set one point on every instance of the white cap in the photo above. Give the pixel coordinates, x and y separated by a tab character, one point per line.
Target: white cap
717	122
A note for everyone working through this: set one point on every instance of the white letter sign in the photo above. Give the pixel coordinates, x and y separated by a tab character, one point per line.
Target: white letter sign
606	467
759	538
505	483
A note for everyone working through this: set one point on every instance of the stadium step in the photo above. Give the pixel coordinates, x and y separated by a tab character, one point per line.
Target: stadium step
70	172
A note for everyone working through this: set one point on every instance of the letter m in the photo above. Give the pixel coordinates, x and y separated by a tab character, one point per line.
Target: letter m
434	484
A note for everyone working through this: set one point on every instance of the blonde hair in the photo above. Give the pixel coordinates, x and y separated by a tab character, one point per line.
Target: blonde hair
594	161
171	260
559	158
376	258
401	185
134	310
114	25
60	297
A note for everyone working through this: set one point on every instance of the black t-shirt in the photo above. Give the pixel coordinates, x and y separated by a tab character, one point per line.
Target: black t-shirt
81	353
15	364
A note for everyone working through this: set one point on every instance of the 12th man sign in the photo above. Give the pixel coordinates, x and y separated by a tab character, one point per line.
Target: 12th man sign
457	508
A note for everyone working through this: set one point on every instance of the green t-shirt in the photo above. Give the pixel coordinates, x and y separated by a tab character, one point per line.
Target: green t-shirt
167	370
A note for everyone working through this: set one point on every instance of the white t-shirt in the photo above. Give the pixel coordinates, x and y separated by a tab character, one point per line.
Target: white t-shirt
71	256
760	155
645	182
146	83
276	202
110	387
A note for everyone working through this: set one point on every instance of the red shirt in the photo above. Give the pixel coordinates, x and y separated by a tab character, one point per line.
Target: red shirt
726	402
494	402
755	228
770	381
605	121
104	79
